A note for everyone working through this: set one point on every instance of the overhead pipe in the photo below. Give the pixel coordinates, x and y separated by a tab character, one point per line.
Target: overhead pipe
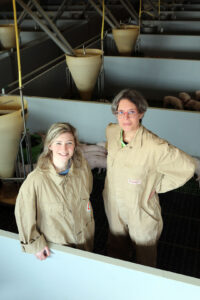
100	12
127	5
25	136
110	15
153	7
83	65
84	10
66	49
24	13
59	11
49	21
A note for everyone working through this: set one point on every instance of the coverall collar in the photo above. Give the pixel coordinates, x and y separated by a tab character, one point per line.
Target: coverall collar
57	178
136	140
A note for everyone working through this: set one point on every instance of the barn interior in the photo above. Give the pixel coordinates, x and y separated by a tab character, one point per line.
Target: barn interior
38	87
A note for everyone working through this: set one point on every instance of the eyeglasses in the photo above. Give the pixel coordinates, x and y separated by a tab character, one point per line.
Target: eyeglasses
130	113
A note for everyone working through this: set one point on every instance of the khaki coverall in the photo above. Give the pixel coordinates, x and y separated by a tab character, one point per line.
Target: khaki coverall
56	208
147	163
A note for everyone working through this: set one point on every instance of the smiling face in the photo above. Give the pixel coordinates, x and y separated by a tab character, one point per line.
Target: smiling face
62	149
128	116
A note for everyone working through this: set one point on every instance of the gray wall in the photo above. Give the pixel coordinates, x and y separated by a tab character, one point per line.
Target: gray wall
153	77
180	128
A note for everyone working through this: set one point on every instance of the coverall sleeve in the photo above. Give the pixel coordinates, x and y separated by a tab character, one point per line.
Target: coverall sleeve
107	130
32	241
106	145
90	178
175	168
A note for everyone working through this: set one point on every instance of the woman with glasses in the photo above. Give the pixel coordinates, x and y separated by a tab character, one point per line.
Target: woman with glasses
53	202
139	166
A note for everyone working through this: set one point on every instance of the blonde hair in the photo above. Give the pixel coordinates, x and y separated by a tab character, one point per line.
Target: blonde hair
54	132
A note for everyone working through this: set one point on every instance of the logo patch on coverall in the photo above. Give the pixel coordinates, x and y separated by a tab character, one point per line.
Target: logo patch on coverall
88	206
134	181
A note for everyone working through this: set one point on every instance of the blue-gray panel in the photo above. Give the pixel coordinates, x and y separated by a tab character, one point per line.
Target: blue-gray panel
155	77
171	46
160	45
183	6
181	15
91	118
177	27
73	274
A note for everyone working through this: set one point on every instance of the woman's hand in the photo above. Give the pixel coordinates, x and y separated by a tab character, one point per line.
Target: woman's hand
43	254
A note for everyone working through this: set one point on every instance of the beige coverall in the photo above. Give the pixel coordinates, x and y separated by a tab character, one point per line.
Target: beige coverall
147	163
56	208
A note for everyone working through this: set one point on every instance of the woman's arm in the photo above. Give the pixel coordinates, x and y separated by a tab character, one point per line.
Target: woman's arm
32	241
89	178
175	168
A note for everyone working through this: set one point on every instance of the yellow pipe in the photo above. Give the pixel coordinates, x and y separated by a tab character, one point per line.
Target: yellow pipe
144	11
140	12
159	7
17	45
103	14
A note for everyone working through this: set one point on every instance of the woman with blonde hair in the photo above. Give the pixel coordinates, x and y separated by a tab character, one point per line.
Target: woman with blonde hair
53	202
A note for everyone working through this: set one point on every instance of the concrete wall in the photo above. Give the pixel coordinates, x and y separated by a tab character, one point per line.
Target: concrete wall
153	77
180	128
160	46
176	26
73	274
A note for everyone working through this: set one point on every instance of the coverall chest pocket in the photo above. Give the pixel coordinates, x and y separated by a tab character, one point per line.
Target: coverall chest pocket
49	212
136	177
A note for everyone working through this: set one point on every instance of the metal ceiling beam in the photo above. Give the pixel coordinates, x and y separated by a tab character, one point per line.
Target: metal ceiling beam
24	13
65	47
51	24
59	11
112	25
127	5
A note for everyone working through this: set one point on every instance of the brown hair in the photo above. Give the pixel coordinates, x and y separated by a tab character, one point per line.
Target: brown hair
133	96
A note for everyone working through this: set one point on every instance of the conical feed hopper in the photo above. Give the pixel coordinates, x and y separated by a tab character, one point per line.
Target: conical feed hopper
7	36
125	38
11	128
84	68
